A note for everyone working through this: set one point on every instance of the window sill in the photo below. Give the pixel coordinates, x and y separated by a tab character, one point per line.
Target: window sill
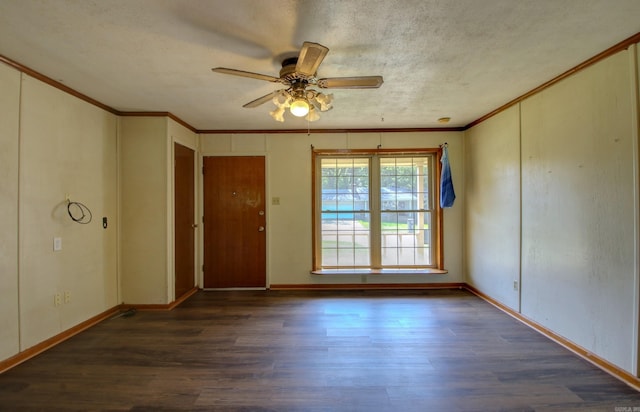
422	271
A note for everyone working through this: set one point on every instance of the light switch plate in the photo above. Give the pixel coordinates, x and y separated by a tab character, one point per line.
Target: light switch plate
57	244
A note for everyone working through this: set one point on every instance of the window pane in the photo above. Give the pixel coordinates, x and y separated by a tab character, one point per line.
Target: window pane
345	212
346	242
406	244
387	166
345	184
329	167
404	183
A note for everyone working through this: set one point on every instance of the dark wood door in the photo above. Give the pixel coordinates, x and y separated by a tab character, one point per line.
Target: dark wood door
184	220
234	222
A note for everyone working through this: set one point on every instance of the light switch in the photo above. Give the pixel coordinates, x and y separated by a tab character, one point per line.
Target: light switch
57	244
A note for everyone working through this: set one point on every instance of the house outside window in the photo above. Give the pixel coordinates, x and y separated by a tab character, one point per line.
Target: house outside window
376	210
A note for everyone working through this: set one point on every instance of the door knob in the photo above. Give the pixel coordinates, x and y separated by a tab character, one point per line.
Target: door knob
261	229
194	226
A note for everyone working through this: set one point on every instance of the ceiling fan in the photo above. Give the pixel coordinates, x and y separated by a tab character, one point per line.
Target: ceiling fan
297	74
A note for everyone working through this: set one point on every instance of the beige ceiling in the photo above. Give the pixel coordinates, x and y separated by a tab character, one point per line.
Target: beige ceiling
456	58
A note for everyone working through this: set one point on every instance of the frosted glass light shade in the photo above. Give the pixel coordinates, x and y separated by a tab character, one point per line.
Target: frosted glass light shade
278	114
313	115
299	108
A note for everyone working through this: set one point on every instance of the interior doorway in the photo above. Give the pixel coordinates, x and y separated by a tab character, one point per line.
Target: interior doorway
234	222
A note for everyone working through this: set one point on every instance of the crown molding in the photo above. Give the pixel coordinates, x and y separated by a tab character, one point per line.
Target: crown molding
316	131
48	80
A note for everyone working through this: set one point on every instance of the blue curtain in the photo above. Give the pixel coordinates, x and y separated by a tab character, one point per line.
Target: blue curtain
447	194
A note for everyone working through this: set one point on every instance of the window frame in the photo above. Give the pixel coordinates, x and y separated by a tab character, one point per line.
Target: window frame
316	212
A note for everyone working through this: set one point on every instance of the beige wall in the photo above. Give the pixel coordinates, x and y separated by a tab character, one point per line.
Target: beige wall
9	118
492	206
144	186
289	178
146	203
577	224
578	169
66	147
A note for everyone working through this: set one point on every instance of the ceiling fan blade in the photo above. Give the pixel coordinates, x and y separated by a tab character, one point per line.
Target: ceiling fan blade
242	73
362	82
311	55
262	100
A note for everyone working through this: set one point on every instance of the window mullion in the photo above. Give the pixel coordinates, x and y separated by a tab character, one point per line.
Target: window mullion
374	199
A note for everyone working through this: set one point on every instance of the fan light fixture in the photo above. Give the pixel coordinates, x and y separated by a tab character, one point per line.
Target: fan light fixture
300	104
299	107
297	74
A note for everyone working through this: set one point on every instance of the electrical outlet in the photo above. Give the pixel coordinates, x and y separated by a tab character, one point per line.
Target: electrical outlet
57	299
275	201
515	285
67	296
364	278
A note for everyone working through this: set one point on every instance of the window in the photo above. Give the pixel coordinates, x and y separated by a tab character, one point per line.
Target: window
376	210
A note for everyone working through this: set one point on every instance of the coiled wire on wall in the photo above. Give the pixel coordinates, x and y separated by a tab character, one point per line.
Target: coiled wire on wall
78	212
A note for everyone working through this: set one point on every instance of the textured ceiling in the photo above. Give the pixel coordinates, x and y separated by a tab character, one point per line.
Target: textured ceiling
455	58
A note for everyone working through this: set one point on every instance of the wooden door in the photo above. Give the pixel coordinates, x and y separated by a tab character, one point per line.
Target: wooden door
234	222
184	219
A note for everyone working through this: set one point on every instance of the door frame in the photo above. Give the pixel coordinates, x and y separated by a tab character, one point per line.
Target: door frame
200	190
171	283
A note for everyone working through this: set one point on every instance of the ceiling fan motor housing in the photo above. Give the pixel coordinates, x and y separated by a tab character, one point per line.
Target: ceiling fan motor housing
289	73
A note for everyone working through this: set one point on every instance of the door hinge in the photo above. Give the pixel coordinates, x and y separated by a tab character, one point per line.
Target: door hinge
203	268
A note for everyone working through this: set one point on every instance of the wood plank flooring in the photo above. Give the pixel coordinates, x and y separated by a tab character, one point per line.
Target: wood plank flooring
314	351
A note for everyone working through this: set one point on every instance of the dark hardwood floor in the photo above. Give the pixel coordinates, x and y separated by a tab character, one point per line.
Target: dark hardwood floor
314	351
